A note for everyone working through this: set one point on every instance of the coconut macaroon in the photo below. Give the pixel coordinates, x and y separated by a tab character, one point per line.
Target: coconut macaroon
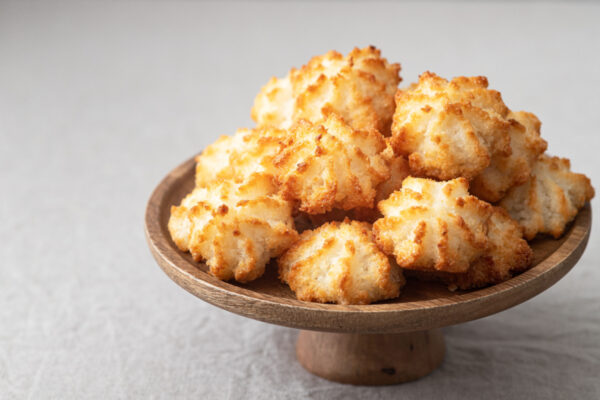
330	165
340	263
239	156
429	225
359	87
235	227
508	254
506	171
550	199
398	170
450	129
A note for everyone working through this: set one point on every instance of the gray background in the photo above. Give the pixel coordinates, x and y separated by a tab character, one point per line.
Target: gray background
98	101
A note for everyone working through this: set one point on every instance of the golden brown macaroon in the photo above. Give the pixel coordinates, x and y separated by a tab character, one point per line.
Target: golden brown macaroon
331	165
507	254
339	263
506	171
239	156
550	199
450	129
358	87
398	169
235	227
429	225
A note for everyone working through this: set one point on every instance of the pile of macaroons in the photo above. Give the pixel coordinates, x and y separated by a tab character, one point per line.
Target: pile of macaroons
348	181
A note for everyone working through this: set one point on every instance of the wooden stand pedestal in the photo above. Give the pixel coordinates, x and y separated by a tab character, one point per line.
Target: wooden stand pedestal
376	359
359	358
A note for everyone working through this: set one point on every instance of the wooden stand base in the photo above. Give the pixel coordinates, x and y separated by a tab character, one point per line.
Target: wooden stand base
371	359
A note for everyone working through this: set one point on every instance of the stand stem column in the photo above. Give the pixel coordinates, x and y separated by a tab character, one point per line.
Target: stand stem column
377	359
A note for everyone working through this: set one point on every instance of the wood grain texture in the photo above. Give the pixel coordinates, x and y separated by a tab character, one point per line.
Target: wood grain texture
361	359
421	306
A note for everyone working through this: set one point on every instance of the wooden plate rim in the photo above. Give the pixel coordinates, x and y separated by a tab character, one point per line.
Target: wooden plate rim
373	318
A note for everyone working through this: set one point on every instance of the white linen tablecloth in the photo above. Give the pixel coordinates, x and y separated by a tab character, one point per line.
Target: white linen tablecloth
99	100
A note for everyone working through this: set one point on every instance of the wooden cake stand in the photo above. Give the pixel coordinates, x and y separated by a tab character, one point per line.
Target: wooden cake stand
384	343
